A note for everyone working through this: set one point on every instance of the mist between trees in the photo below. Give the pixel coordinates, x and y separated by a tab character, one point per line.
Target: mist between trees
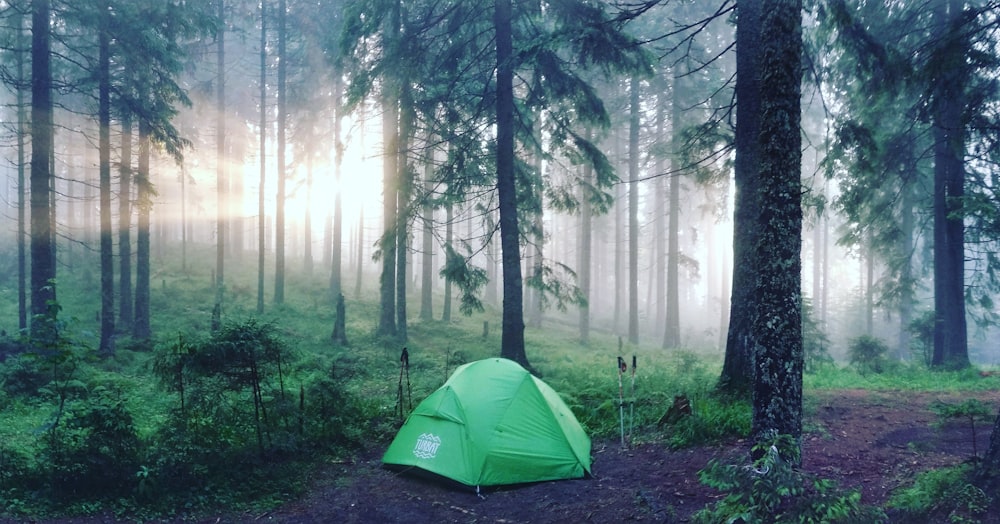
356	143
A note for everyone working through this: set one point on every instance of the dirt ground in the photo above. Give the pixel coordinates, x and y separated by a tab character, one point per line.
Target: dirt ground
875	441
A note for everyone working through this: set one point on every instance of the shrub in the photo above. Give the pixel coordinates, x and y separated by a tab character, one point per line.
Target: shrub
772	490
712	419
945	494
94	453
868	354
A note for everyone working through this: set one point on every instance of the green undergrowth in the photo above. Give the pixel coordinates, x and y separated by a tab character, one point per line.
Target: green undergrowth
193	421
942	495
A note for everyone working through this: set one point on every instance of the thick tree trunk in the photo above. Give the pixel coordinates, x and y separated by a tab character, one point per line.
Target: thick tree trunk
584	270
906	298
672	328
988	472
512	337
736	368
22	207
633	212
404	195
390	172
282	122
307	255
777	320
124	227
427	262
107	343
336	251
144	201
261	213
43	268
220	165
950	335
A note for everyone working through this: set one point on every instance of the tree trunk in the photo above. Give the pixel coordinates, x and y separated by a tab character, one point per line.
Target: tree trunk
282	117
307	256
512	337
737	367
906	297
404	193
43	268
869	287
584	270
950	335
659	266
261	212
988	472
220	165
633	212
22	207
618	288
125	225
390	172
427	264
672	328
361	252
777	321
144	201
336	253
449	233
107	342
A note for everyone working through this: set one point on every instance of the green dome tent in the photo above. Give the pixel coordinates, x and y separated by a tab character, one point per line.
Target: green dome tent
493	423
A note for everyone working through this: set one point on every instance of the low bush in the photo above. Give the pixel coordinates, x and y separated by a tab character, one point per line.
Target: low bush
772	490
941	495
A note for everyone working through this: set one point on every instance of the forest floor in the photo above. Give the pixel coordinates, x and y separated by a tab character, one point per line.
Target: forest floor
875	441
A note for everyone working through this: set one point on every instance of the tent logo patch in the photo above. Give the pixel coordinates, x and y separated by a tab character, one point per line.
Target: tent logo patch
427	446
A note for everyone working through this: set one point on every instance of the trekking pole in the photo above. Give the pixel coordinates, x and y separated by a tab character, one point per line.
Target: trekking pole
399	392
405	360
621	398
631	407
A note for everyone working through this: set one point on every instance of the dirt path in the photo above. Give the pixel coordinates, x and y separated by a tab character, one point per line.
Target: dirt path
875	441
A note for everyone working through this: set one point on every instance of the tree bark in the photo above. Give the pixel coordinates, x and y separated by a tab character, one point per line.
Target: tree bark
988	472
633	212
220	164
336	252
586	236
403	210
512	337
282	117
144	201
449	234
43	268
390	172
261	212
427	263
106	346
672	328
737	368
950	334
777	320
125	308
22	207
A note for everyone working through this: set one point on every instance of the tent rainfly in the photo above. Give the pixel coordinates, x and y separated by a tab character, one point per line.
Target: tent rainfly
493	423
